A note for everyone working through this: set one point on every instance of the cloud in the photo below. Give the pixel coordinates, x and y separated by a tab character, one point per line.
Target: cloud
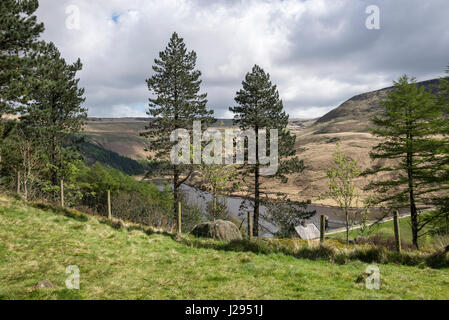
319	53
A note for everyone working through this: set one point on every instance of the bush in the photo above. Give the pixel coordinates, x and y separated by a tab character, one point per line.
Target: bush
369	255
256	246
386	242
315	253
405	258
70	213
438	259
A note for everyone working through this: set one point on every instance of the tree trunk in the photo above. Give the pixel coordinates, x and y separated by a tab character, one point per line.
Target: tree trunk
347	225
53	171
214	195
414	218
256	189
175	192
25	186
413	210
18	181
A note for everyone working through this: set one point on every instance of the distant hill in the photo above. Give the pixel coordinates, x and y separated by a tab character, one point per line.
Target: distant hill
122	135
354	114
315	141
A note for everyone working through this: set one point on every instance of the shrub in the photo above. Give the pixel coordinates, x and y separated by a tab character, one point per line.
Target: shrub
256	246
405	258
386	242
369	255
59	210
314	253
438	259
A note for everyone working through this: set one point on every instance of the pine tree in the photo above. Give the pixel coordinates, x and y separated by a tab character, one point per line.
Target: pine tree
441	199
55	110
175	103
408	126
259	107
19	32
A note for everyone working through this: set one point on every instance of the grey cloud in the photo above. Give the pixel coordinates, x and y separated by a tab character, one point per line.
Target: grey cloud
318	52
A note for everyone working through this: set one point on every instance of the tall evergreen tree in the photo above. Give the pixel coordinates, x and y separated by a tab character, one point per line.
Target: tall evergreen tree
408	126
55	110
442	198
175	103
19	32
259	107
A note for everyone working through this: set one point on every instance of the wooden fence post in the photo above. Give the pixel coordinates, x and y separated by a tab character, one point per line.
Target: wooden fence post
250	226
109	205
322	227
18	182
62	193
179	218
397	231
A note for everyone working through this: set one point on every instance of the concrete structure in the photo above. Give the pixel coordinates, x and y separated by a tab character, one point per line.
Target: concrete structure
308	231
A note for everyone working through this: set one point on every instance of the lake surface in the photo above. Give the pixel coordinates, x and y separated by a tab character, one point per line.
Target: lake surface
336	218
201	198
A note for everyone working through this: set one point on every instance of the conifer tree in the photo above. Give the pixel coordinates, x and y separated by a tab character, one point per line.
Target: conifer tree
19	32
55	111
259	107
409	126
441	171
175	103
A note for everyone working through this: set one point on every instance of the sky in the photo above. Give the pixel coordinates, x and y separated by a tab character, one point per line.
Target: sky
319	53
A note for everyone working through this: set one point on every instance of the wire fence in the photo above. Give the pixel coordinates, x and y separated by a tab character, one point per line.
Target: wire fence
123	205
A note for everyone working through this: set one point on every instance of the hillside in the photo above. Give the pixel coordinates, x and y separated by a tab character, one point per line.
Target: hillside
315	141
37	245
122	136
118	135
95	153
354	114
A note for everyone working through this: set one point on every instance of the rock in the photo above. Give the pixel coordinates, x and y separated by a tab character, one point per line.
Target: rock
43	284
218	229
361	278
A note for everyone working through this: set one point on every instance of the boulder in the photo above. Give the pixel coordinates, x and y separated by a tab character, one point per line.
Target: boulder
44	284
218	229
307	231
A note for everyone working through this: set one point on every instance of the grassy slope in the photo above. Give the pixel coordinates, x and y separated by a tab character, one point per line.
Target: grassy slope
37	245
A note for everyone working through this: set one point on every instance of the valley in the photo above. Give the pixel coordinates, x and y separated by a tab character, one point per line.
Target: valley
316	141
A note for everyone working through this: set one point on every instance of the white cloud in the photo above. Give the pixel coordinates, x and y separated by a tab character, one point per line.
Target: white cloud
318	52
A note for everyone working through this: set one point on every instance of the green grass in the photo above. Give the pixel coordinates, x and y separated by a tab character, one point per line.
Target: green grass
38	244
386	229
